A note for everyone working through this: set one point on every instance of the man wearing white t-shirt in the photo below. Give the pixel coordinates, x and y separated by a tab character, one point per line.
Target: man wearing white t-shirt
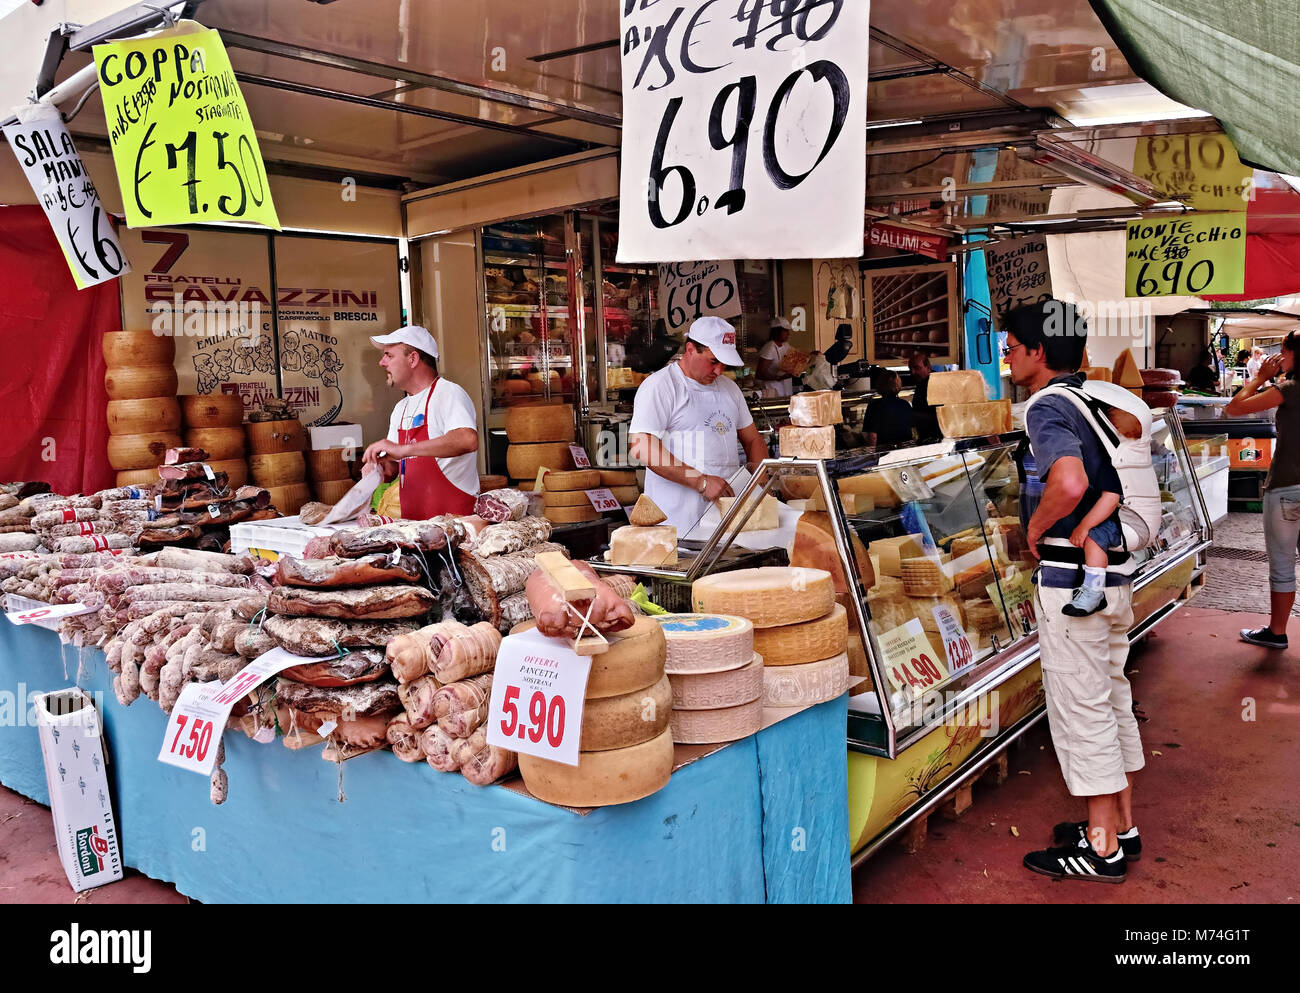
776	382
688	422
432	443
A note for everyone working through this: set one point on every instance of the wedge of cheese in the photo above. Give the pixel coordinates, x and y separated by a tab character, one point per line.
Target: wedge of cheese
811	410
960	386
807	443
1126	371
889	552
765	517
647	546
871	485
646	513
972	420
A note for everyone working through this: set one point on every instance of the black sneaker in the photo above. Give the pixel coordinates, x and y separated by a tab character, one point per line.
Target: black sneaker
1078	862
1069	832
1264	637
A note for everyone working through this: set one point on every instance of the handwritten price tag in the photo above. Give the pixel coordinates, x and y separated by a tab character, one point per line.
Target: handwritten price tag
53	612
955	643
580	460
603	500
538	692
1018	596
911	663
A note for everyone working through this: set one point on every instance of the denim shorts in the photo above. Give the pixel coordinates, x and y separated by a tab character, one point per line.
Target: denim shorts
1281	535
1106	534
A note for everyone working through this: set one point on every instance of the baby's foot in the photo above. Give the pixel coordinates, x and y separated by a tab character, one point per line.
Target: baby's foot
1085	601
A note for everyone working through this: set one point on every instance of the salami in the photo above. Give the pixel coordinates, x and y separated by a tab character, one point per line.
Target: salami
338	571
512	536
368	602
321	637
193	592
58	518
196	561
253	642
498	506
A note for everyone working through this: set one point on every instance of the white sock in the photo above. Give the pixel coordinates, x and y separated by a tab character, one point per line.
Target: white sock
1094	578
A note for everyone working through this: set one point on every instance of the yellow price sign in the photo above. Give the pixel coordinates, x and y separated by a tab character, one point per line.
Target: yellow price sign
1187	255
911	663
1017	597
1202	170
183	143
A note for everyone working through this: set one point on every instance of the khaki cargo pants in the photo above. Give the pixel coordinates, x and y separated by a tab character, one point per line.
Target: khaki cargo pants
1089	701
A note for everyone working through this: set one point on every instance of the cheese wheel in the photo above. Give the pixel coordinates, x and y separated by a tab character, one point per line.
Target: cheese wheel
136	477
713	690
330	491
798	644
806	443
706	642
577	479
628	719
769	596
618	477
131	382
219	443
140	416
706	727
212	410
486	483
634	661
236	471
522	487
137	348
619	775
571	515
565	498
270	437
799	487
279	469
625	495
532	423
523	461
288	500
141	451
805	685
329	463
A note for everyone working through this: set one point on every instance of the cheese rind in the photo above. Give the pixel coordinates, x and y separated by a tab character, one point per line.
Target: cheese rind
644	546
619	775
537	423
807	443
574	479
571	515
769	596
523	461
627	719
799	644
765	517
705	727
971	420
700	643
805	685
635	659
713	690
959	386
810	410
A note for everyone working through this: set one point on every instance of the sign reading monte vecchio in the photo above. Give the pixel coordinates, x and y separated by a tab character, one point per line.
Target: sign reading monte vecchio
744	129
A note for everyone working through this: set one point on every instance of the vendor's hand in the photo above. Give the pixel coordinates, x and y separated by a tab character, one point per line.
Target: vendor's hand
371	455
716	486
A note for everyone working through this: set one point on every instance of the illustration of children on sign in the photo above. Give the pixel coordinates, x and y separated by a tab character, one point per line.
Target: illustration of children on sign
207	371
290	357
333	366
311	365
242	360
264	355
224	363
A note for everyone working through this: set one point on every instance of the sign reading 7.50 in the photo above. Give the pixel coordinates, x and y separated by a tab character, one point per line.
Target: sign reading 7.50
183	143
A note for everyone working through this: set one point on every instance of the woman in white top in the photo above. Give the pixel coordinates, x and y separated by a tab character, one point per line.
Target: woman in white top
776	383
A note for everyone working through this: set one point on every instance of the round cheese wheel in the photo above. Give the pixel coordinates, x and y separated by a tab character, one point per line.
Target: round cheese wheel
141	416
628	719
136	477
805	685
141	451
625	495
618	477
236	471
288	500
705	727
329	463
531	423
270	437
799	487
578	479
523	461
280	469
565	498
713	690
330	490
486	483
619	775
219	443
706	642
634	661
137	348
571	515
798	644
131	382
769	596
522	487
212	410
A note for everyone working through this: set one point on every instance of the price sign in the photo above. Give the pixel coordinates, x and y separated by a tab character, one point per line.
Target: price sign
538	692
580	460
1203	170
56	173
53	612
603	500
1186	256
182	140
200	714
911	663
750	112
1018	272
955	643
689	290
1018	596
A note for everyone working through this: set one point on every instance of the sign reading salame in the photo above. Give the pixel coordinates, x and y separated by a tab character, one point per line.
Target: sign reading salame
744	129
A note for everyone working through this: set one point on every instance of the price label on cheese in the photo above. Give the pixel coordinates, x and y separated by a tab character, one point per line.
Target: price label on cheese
580	459
53	612
603	500
911	663
538	691
955	643
199	717
1018	596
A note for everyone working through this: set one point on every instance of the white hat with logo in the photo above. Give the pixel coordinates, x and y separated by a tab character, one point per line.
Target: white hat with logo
413	335
716	334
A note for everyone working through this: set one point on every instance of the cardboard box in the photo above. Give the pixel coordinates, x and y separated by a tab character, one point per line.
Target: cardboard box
73	750
342	435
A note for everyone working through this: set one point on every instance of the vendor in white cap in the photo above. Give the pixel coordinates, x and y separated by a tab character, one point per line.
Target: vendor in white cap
688	422
776	383
432	443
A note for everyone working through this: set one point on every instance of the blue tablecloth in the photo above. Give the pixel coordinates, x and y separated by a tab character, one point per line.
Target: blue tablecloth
764	819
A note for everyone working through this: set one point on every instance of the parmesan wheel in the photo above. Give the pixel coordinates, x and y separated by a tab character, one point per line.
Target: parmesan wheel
714	690
137	348
769	596
523	461
329	463
486	483
618	477
212	410
330	491
629	719
141	416
136	477
131	382
571	515
281	469
141	451
235	469
288	500
805	685
634	661
565	498
531	423
705	727
219	443
625	495
578	479
799	487
798	644
270	437
619	775
698	643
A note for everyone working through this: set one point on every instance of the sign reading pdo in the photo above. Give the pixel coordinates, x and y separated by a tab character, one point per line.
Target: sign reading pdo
748	113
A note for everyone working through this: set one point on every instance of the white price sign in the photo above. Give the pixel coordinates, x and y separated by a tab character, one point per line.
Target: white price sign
748	113
955	643
603	500
690	290
580	460
538	692
53	612
200	714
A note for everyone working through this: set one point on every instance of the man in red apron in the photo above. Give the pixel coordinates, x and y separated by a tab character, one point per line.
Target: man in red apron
432	443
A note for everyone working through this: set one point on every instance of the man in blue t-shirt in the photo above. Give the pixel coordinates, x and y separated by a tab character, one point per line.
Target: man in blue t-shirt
1089	702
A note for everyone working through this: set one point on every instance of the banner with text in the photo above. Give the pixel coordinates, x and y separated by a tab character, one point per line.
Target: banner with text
690	290
708	82
1018	272
1187	255
65	192
182	140
1202	170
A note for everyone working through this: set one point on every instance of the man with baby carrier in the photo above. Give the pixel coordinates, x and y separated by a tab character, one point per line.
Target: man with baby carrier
1099	502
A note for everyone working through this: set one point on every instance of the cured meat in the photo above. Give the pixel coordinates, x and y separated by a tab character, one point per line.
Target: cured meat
347	702
609	613
490	580
172	472
364	732
155	656
482	764
249	607
313	512
498	506
512	536
338	571
175	456
362	665
26	542
320	547
367	519
368	602
56	518
87	543
134	611
515	609
119	580
223	638
97	560
418	700
203	663
404	739
197	561
449	650
460	530
436	744
253	642
193	592
423	535
319	636
460	708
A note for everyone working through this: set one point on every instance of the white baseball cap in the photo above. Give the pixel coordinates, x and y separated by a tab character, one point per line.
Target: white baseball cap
781	322
716	334
413	335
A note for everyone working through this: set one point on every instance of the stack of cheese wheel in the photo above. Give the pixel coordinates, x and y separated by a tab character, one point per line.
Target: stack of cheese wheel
717	677
799	630
564	496
214	423
144	418
622	484
284	476
626	749
330	470
539	436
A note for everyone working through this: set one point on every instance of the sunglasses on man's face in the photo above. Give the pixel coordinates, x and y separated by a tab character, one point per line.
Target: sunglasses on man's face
1006	352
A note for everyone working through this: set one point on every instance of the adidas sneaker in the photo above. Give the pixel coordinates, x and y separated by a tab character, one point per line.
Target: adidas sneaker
1078	861
1069	832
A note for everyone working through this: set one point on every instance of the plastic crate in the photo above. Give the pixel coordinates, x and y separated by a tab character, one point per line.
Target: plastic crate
271	539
